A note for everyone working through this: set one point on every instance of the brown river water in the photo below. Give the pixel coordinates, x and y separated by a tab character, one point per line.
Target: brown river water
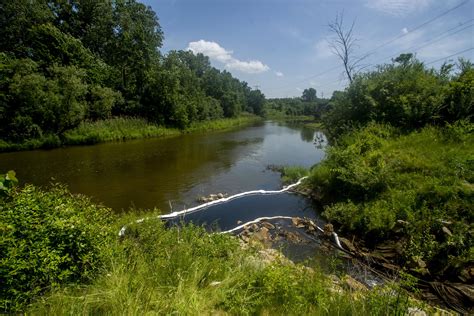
160	172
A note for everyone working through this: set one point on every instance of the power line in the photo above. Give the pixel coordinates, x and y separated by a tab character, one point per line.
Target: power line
435	39
418	27
452	55
387	43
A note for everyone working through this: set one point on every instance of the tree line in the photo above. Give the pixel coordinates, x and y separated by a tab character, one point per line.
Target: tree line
307	105
405	94
63	62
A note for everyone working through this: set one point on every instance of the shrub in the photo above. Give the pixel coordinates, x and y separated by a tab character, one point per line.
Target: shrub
48	238
371	180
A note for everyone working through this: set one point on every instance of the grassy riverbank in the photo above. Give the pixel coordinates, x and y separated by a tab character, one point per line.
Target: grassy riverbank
60	254
412	192
122	129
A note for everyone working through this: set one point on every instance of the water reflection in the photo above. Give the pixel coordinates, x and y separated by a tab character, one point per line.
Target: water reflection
159	172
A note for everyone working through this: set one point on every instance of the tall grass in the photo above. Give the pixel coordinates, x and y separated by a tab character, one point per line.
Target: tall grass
155	270
115	129
71	262
122	129
222	124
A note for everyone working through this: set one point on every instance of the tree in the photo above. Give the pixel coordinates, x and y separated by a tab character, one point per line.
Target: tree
309	95
255	101
344	44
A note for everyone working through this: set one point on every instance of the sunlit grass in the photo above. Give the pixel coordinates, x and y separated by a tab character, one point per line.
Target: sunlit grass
122	129
116	129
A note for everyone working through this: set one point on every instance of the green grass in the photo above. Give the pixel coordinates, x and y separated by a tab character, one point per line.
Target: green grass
314	125
62	256
291	174
122	129
416	190
277	115
223	124
116	129
187	271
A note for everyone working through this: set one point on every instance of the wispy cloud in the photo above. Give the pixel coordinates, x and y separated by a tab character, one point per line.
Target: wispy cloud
220	54
279	74
398	8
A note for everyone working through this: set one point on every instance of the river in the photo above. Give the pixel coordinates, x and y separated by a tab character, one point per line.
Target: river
170	173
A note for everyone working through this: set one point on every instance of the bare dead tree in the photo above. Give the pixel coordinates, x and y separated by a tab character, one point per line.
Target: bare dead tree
343	45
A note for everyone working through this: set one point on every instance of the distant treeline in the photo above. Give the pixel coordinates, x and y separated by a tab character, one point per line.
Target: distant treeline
63	62
308	104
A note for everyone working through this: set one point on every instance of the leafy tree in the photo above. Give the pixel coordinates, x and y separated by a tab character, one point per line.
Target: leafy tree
256	101
309	95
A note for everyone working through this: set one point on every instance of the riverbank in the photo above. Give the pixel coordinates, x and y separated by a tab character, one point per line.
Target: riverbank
61	255
405	201
122	129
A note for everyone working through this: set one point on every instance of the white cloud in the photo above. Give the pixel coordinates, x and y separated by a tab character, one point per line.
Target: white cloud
219	53
279	74
404	30
398	8
323	49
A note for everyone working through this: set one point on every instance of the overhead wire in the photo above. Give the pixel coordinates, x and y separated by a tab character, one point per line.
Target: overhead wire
444	13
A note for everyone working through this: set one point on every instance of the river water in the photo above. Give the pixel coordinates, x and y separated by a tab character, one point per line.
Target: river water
164	172
170	173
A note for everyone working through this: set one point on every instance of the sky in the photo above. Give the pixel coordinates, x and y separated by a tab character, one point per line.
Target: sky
283	46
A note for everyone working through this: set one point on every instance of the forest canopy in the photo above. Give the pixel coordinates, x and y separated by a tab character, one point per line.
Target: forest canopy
63	62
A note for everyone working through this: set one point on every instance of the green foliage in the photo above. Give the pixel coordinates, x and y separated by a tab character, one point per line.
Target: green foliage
309	95
404	94
68	61
185	270
309	105
373	180
7	183
291	174
116	129
48	238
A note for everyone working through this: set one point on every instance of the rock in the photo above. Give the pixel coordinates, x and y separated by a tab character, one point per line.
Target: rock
268	225
467	274
400	221
328	230
295	220
290	236
215	283
347	244
245	238
421	263
415	311
447	231
239	222
353	284
220	195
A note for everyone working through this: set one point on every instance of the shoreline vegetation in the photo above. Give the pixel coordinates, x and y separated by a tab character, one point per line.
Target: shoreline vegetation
75	264
123	129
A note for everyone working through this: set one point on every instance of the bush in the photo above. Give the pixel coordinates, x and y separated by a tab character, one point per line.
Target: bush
49	238
373	179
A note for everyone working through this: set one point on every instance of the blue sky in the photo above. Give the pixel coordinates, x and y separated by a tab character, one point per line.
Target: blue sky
282	47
